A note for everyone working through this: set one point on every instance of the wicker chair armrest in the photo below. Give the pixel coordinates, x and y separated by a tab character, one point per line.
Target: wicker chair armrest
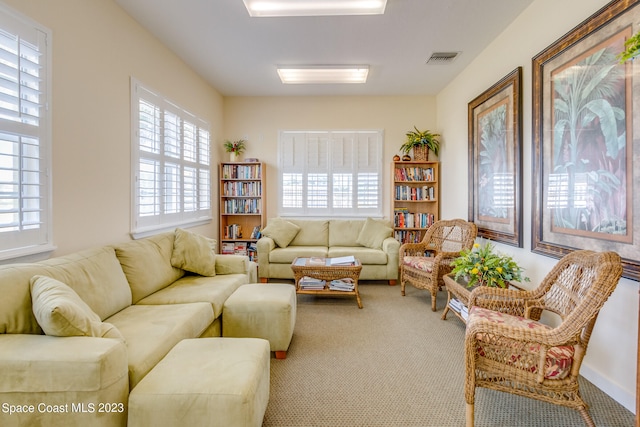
545	337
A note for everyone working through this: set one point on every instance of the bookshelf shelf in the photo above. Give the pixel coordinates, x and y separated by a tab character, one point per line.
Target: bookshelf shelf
415	201
242	207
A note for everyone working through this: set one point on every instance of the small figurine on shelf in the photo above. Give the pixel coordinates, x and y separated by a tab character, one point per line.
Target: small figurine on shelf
235	148
396	158
406	158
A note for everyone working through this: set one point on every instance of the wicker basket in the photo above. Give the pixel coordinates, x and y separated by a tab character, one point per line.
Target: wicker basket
421	153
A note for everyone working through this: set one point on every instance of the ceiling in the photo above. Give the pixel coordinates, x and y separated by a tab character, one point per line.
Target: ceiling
238	54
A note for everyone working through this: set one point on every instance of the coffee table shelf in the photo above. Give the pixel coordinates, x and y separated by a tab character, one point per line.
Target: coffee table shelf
327	273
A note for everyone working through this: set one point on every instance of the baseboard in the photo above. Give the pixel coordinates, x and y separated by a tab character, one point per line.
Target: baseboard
617	393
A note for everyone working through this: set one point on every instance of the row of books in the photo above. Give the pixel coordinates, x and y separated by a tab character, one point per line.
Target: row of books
408	236
404	219
313	284
240	248
241	171
413	174
242	189
242	206
457	306
233	231
406	192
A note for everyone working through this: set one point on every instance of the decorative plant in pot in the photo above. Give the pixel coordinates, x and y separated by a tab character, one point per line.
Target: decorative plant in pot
482	266
632	48
235	148
421	142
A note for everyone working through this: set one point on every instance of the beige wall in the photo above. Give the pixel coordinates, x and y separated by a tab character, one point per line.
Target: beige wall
611	358
96	49
258	119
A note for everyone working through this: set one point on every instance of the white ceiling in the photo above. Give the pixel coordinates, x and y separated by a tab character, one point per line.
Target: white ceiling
238	54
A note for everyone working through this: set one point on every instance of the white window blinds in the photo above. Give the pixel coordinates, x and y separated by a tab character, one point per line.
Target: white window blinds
171	166
330	173
25	136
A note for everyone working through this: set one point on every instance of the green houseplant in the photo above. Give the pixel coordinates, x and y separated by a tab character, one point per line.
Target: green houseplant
418	140
482	265
632	48
235	148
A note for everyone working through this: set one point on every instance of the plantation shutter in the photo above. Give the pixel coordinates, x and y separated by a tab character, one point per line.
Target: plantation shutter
25	137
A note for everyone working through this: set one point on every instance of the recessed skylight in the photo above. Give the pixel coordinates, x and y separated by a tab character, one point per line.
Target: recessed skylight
323	74
270	8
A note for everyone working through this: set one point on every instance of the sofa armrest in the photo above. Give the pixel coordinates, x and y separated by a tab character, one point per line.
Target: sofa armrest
46	364
232	264
265	245
391	247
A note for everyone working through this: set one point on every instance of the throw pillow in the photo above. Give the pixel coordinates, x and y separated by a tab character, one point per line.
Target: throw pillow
61	312
281	231
193	252
373	233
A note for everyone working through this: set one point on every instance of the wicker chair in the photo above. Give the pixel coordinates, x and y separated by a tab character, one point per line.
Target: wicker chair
507	349
424	264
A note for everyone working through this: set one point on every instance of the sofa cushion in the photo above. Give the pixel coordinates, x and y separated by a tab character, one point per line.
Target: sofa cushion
214	290
96	276
151	331
312	232
147	264
16	316
281	231
344	232
558	359
373	233
61	313
194	253
232	264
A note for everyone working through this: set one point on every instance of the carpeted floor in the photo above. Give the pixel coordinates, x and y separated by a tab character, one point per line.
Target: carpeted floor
395	363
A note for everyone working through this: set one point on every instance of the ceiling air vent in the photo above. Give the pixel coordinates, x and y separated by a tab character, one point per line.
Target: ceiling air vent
442	57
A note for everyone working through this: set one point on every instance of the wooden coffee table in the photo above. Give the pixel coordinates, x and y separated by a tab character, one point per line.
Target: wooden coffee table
327	273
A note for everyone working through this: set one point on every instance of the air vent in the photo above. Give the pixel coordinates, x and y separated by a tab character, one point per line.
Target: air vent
442	57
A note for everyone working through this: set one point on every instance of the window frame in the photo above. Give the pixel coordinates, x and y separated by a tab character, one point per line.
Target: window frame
30	242
307	157
184	154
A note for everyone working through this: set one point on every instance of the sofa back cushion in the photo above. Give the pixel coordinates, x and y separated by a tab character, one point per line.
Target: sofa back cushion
16	316
96	276
147	264
344	232
312	232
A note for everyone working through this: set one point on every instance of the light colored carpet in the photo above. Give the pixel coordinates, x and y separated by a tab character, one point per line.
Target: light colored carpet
395	363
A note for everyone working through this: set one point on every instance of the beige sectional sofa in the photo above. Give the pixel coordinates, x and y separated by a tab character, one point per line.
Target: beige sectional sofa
368	240
131	303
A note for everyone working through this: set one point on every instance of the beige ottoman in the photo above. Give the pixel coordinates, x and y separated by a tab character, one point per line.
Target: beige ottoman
262	310
220	382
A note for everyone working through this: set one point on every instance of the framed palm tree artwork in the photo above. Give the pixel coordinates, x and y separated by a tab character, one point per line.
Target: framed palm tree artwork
586	133
495	160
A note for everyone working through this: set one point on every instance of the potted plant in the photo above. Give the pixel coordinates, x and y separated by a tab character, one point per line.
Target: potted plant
632	48
421	142
235	148
482	266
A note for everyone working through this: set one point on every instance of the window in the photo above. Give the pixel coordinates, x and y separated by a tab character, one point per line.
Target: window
25	137
330	173
171	164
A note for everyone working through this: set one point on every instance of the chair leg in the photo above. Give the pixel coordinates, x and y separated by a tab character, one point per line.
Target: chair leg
434	294
588	421
469	414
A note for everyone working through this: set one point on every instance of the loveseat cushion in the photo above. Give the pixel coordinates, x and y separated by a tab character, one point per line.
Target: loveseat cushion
373	233
281	231
147	264
61	313
344	232
96	276
151	331
16	316
190	288
558	359
194	253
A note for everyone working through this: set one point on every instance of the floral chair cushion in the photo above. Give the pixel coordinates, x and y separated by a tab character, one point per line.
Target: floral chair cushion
524	355
419	262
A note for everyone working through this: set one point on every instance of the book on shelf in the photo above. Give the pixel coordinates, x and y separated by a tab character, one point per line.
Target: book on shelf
227	248
240	248
345	285
310	283
255	233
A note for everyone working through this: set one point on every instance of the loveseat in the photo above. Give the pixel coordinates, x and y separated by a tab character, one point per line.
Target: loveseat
78	332
370	240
